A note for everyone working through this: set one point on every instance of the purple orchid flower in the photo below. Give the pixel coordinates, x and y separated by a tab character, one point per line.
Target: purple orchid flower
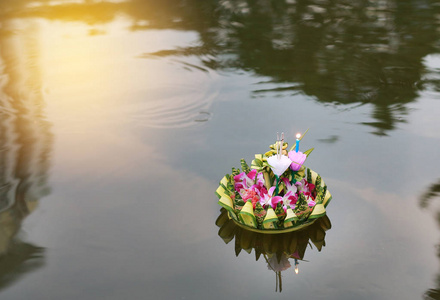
306	188
244	181
269	199
290	198
250	186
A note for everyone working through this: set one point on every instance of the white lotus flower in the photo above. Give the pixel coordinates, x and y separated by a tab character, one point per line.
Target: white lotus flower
279	164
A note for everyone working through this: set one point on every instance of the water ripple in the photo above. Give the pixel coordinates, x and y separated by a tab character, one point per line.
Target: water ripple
183	107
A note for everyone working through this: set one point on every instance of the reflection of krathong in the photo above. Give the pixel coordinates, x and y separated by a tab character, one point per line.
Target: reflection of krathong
277	194
280	251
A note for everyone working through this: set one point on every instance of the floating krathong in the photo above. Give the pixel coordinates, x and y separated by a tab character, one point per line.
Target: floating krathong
277	194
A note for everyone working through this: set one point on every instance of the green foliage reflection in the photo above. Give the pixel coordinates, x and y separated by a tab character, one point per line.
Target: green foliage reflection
339	52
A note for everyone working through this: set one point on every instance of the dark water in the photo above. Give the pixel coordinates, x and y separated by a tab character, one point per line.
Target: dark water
118	119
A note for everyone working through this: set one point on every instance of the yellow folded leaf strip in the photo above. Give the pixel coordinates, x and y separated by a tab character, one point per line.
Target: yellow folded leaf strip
224	181
271	219
290	219
318	211
226	202
246	215
221	192
327	198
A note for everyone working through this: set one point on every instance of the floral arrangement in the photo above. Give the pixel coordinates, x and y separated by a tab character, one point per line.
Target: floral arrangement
277	193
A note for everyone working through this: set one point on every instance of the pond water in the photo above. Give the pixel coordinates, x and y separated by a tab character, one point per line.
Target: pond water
119	118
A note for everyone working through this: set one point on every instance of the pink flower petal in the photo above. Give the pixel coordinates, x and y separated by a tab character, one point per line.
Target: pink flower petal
275	201
252	174
240	177
271	190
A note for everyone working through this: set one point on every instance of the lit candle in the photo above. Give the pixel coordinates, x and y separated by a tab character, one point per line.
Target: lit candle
298	135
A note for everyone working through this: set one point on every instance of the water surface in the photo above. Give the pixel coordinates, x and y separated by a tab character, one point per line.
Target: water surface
118	119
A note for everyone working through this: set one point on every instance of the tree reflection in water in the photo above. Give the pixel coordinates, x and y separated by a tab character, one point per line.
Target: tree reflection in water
425	200
339	52
25	143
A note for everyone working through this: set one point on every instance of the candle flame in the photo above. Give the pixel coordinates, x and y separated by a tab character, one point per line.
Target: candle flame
298	135
296	270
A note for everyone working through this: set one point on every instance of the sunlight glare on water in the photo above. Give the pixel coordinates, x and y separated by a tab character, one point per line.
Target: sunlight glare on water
83	66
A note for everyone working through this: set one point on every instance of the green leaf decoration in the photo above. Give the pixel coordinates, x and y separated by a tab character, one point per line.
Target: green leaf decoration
235	172
324	190
274	146
257	253
304	134
318	182
302	209
298	176
227	190
227	232
221	192
247	240
259	162
327	198
319	196
313	177
259	213
226	202
231	187
238	205
290	219
271	220
318	211
244	166
281	214
224	180
307	152
270	153
222	218
237	245
233	216
247	215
